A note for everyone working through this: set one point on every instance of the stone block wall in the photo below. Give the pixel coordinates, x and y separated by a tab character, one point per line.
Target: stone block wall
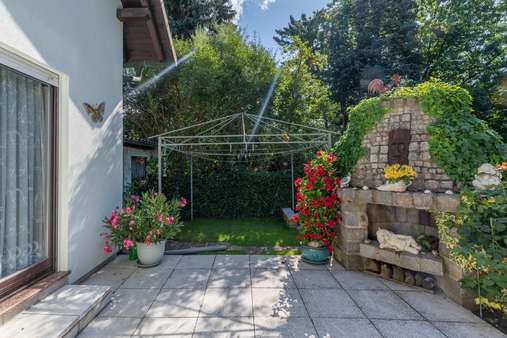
405	113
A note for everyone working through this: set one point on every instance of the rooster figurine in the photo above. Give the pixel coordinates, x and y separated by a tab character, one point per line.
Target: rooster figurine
377	86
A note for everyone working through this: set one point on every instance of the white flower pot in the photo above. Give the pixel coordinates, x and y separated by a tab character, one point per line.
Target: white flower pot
150	254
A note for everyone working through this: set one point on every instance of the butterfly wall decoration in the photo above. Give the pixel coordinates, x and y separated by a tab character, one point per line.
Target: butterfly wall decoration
96	112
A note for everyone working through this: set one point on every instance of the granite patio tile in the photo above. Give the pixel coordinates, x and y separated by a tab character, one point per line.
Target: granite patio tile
147	279
36	325
166	327
276	327
345	328
268	262
272	278
438	307
278	303
469	330
110	327
227	302
352	280
195	262
229	278
232	262
188	279
407	329
177	303
334	303
113	277
314	279
130	303
383	305
220	327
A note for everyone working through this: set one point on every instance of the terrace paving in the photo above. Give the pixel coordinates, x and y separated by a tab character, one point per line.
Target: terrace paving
269	296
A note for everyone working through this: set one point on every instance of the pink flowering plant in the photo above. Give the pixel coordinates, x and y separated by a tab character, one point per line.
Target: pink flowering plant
150	218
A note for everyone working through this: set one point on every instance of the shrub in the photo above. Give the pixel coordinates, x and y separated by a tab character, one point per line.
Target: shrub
477	239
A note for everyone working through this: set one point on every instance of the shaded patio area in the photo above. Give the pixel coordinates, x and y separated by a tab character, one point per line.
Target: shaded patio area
269	296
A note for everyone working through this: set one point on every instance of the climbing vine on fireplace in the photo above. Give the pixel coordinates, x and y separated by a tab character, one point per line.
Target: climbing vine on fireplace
459	143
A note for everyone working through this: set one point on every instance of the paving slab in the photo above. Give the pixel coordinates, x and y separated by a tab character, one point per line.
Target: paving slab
469	330
272	278
110	327
232	262
34	325
166	327
407	329
229	302
112	277
168	262
73	300
268	262
130	303
276	327
345	328
123	262
383	305
229	278
196	262
278	303
177	303
352	280
147	279
438	307
314	279
188	278
332	303
395	286
219	327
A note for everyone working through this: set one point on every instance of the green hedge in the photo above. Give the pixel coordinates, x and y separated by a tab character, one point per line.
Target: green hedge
237	192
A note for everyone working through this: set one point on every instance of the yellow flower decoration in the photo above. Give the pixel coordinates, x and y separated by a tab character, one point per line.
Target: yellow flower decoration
397	172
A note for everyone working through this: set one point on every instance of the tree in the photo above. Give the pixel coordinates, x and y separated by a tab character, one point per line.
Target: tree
186	16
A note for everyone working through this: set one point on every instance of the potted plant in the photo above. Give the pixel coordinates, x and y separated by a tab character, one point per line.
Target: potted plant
399	177
319	207
145	223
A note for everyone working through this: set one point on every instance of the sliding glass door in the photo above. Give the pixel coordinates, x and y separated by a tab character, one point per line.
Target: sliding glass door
26	178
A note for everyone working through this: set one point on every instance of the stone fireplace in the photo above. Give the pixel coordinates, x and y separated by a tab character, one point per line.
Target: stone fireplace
400	137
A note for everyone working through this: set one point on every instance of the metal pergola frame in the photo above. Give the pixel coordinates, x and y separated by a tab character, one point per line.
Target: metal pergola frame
237	137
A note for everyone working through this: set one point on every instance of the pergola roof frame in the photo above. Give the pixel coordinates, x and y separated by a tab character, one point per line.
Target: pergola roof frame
212	141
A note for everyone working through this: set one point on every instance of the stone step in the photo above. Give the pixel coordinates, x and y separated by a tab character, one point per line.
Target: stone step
62	314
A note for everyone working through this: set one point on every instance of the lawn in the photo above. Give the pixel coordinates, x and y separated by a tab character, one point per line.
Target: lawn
261	232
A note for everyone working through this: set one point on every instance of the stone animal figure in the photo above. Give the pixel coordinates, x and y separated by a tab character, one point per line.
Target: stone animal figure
390	240
487	178
377	86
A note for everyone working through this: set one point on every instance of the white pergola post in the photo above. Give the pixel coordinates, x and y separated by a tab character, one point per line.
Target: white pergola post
292	180
191	188
159	166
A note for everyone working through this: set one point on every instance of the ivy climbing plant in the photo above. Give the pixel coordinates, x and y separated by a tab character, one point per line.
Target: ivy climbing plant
459	141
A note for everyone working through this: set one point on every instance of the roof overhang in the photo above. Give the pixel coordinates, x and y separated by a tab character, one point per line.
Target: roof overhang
146	32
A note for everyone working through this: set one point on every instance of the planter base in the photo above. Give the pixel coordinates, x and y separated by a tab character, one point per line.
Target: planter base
145	266
317	256
323	262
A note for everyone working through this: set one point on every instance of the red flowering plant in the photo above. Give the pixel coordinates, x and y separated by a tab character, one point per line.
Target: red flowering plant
150	218
317	202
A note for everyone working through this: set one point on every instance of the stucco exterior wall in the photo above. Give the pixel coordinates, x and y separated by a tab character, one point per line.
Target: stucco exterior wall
82	42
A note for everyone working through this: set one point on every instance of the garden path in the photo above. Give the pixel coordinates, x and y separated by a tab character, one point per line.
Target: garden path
269	296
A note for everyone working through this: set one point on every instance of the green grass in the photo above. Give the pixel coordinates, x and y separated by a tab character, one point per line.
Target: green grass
243	232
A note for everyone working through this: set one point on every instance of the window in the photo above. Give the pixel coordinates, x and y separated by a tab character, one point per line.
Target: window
27	157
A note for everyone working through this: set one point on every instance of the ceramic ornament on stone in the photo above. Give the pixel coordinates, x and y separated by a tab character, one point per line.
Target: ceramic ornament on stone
399	186
487	177
390	240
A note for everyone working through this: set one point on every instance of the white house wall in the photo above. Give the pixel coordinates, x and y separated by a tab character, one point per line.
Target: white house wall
82	42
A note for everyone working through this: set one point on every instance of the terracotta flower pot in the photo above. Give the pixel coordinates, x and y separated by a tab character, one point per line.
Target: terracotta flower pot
150	254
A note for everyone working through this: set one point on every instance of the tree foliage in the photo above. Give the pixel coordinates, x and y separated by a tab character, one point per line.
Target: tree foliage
186	16
461	42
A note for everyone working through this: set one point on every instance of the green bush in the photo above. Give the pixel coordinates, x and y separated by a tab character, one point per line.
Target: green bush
237	192
477	238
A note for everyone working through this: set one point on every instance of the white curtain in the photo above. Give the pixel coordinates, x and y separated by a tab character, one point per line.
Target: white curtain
24	104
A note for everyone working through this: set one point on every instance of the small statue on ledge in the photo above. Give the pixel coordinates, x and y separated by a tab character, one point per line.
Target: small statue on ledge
390	240
488	177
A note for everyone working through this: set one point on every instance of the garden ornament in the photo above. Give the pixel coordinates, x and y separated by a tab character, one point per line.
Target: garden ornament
390	240
487	177
399	186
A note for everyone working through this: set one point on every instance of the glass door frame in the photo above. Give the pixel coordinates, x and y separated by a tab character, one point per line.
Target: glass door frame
23	278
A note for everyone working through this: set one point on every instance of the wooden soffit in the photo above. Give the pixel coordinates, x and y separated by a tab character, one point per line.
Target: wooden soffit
146	32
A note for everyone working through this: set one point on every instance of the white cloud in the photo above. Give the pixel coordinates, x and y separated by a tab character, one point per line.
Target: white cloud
265	4
237	5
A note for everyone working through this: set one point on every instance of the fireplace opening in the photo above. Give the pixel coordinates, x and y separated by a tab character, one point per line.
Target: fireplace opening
403	221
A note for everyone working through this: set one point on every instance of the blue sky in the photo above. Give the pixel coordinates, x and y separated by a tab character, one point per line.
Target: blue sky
263	17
